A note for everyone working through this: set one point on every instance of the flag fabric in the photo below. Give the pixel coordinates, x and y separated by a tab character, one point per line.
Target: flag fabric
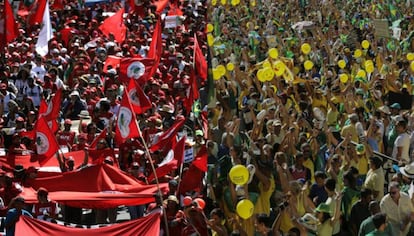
42	44
156	50
192	92
192	178
35	11
46	143
147	225
172	160
200	62
112	61
101	135
204	122
126	124
211	94
51	111
160	5
135	68
57	5
115	25
139	100
166	138
9	29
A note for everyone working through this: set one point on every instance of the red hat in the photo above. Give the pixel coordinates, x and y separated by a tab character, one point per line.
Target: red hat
83	136
42	191
3	86
19	119
68	122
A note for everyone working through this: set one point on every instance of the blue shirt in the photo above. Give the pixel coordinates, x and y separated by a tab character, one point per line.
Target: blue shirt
11	215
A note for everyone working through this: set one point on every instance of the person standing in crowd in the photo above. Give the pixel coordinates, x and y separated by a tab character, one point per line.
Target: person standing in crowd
13	215
401	146
45	209
398	208
375	178
360	211
368	225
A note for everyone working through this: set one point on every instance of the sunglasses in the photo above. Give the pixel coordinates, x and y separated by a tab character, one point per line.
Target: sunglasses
393	193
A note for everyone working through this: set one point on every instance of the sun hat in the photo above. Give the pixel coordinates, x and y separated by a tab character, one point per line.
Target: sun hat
408	170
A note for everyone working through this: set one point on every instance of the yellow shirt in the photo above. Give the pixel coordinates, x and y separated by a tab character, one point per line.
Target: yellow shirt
309	164
361	164
375	181
350	129
263	201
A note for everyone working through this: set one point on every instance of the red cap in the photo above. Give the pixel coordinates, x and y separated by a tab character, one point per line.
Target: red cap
19	119
68	122
3	86
42	190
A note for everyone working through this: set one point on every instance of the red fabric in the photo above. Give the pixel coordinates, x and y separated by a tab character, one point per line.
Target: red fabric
193	93
57	5
99	186
46	144
148	225
161	4
192	179
156	50
66	35
126	124
36	11
51	112
113	61
200	61
168	135
10	28
204	119
139	100
115	25
130	68
101	135
174	160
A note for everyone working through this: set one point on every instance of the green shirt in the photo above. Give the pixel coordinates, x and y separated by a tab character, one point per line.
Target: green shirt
368	226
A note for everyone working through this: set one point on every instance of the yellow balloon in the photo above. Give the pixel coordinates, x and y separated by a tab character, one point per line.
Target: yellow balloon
369	63
245	208
221	69
365	44
260	75
361	74
253	3
308	65
213	2
412	66
369	68
273	53
279	68
268	73
223	2
210	28
410	56
343	78
358	53
341	64
239	174
266	64
216	74
235	2
230	66
305	48
210	39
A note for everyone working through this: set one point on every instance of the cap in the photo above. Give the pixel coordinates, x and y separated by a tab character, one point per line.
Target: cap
167	108
3	86
42	191
68	122
360	149
384	109
179	55
173	198
199	132
277	123
19	119
74	93
396	106
323	207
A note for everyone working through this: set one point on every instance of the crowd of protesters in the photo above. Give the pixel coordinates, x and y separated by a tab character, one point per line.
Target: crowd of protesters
325	155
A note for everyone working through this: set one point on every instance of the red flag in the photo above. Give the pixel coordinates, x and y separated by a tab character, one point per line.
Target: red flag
57	5
156	50
139	100
102	135
135	68
112	61
53	108
192	92
126	124
10	29
200	62
46	144
160	4
192	178
115	25
168	135
36	11
172	160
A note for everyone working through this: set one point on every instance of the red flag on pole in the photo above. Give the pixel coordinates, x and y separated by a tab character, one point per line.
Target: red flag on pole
135	68
36	12
51	112
10	30
192	178
172	160
200	62
112	61
46	144
126	124
101	135
115	25
156	50
160	4
139	100
168	135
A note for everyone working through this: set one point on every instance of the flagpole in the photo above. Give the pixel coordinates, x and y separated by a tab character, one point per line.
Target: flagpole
156	179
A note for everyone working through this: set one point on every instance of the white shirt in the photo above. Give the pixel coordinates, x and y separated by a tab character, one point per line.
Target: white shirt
403	140
397	213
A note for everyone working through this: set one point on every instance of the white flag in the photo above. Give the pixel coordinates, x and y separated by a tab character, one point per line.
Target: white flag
45	33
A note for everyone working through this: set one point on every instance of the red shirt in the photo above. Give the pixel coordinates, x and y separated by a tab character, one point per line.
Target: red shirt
40	208
66	138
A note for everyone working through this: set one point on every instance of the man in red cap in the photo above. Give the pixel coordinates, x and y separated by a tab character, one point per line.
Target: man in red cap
45	209
66	137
